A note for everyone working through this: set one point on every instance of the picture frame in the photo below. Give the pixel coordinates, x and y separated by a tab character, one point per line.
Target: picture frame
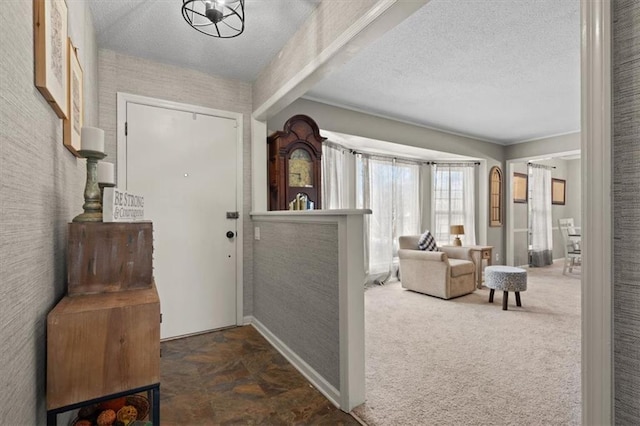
520	187
50	52
558	191
496	189
73	123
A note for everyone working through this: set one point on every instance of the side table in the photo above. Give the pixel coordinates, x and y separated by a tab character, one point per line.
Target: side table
479	254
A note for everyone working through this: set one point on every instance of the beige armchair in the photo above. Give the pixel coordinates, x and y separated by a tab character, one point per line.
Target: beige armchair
448	273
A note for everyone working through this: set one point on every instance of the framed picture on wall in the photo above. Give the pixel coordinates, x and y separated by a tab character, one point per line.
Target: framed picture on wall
495	196
520	187
558	191
51	49
73	123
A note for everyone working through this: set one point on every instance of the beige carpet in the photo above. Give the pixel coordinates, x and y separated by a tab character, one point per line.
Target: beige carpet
468	362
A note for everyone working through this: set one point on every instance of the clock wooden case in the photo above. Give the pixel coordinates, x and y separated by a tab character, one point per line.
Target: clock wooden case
294	167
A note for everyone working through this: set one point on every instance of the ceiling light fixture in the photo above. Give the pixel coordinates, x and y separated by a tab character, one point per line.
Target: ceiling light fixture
215	18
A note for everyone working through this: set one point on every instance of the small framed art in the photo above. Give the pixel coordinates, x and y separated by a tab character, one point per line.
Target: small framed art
73	123
558	191
50	42
520	186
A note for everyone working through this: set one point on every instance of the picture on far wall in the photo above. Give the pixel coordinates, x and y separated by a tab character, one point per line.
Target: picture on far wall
558	191
495	196
50	41
520	188
73	123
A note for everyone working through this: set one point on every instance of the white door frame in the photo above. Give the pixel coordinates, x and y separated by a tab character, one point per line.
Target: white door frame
597	271
121	140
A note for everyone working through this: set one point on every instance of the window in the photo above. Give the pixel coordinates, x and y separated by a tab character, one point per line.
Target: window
495	196
390	188
453	202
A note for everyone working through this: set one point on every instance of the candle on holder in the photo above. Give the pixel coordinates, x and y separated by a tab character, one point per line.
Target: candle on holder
91	148
92	139
106	173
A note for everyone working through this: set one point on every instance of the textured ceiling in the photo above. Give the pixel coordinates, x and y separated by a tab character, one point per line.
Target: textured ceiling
499	70
155	29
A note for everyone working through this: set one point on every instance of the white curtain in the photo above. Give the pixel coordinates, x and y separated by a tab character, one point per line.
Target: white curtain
407	204
390	188
453	202
334	176
540	222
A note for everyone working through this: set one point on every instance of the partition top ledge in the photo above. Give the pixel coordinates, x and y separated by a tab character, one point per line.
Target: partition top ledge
307	213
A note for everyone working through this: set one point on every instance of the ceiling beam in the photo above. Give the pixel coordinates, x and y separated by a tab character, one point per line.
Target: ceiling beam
333	34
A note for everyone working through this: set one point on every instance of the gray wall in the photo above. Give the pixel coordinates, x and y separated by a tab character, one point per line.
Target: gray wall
574	191
296	291
520	224
543	147
626	210
41	189
355	123
122	73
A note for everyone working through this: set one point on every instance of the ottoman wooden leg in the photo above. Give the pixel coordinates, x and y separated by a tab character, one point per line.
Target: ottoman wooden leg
518	303
491	295
505	299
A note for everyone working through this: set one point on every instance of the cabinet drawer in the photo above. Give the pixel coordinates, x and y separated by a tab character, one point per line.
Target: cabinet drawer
486	254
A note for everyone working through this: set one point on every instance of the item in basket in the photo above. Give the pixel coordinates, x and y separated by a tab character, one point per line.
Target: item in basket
83	423
106	418
127	414
113	404
88	411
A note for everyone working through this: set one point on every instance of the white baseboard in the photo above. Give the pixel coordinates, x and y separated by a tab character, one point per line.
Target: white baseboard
247	320
305	369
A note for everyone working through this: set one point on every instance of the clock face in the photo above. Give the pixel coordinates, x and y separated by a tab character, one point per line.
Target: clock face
300	169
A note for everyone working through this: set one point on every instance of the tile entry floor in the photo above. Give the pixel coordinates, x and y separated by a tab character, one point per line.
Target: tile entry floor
236	377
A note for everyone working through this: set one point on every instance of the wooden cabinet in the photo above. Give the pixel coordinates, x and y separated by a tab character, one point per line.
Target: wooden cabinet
294	166
102	344
103	338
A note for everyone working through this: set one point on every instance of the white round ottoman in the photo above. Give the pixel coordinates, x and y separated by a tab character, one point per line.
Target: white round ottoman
505	278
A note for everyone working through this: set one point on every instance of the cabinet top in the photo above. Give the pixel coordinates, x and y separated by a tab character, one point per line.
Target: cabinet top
117	299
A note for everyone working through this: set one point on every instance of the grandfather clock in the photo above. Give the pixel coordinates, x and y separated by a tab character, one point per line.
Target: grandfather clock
294	165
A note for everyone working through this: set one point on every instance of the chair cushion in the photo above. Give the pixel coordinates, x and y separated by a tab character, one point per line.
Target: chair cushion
427	242
461	267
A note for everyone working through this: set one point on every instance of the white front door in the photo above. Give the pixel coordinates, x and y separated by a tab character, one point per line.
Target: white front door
185	166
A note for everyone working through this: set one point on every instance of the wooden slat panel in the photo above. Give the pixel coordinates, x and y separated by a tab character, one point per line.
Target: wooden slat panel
107	257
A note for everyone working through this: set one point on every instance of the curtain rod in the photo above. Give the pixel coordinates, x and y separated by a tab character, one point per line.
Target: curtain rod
392	157
542	166
459	163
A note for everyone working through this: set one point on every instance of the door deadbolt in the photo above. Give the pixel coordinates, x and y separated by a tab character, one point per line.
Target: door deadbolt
230	234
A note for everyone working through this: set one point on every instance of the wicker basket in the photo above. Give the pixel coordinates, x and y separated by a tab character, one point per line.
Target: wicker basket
140	402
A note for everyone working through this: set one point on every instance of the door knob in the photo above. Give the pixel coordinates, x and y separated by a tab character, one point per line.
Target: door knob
230	234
